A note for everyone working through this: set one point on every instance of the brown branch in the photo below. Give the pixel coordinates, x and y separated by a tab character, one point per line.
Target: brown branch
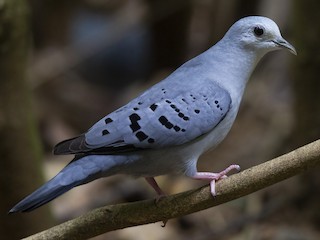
124	215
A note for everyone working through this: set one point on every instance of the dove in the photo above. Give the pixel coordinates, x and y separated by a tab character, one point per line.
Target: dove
168	127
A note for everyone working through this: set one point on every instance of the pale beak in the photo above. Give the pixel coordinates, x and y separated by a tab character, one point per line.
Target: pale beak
282	43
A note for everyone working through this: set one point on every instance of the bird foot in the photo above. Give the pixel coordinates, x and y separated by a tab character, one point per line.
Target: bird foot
213	177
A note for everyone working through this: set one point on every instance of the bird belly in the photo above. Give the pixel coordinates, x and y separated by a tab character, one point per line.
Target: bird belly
210	140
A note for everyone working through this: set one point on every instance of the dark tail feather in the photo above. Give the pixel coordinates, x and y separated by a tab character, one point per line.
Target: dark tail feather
71	146
81	170
41	196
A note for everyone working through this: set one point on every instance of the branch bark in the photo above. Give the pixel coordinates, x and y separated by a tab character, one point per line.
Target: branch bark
124	215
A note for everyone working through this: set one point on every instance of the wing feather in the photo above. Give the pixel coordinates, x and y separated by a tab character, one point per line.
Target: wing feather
154	120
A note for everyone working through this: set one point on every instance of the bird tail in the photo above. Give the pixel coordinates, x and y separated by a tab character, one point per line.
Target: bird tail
79	171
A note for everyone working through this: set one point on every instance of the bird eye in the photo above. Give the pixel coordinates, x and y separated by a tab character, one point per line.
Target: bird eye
258	31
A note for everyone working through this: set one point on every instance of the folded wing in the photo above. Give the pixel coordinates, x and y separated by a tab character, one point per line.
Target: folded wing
153	121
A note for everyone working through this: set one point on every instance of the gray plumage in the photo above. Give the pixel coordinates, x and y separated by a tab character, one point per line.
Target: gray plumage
170	125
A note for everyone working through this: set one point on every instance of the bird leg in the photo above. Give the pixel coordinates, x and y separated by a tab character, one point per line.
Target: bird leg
152	182
155	186
213	177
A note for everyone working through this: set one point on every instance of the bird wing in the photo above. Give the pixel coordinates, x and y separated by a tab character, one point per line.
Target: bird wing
161	117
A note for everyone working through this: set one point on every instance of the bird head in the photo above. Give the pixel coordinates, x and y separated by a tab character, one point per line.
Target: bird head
259	34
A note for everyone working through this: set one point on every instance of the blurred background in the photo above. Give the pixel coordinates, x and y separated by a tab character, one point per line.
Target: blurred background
66	64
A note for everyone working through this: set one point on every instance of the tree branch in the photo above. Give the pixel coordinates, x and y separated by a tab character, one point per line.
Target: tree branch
124	215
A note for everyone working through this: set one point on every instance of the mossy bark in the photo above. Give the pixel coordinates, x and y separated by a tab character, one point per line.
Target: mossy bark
20	151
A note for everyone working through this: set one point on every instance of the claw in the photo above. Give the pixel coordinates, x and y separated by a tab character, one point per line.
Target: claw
164	223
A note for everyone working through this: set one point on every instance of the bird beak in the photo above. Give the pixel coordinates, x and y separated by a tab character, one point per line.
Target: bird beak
282	43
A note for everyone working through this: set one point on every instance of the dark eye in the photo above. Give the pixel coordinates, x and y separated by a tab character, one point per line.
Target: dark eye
258	31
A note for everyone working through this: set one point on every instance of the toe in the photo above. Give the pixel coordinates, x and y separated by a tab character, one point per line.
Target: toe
213	188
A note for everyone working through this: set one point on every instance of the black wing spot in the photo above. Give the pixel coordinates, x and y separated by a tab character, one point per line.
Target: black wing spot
181	115
151	140
175	108
197	111
135	108
168	125
184	100
186	118
216	101
134	117
167	101
164	121
153	107
193	97
218	106
141	136
183	130
105	132
140	103
177	128
108	120
135	126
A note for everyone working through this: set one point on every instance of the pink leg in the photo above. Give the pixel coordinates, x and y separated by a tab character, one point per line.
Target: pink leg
213	177
155	186
161	194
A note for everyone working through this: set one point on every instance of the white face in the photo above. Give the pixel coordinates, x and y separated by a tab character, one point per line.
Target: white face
259	34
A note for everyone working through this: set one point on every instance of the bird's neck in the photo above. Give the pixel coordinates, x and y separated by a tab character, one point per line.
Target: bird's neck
235	65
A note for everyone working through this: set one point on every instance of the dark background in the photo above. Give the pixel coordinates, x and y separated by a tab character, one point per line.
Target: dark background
66	64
